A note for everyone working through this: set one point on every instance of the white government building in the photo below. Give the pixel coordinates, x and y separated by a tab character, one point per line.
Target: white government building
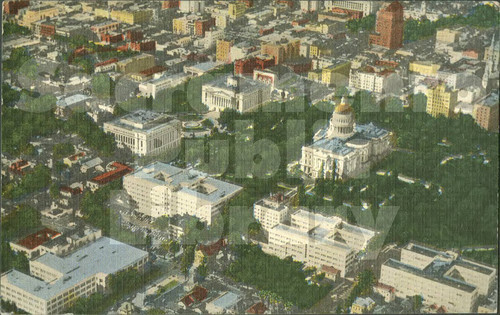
146	132
160	189
56	282
318	241
236	93
344	147
441	278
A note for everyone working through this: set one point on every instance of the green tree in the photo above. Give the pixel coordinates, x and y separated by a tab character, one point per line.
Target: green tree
61	150
102	85
416	302
54	191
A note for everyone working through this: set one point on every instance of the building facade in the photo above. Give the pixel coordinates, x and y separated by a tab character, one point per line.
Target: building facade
55	283
485	112
146	132
389	27
344	149
236	93
136	64
160	189
366	7
441	100
271	211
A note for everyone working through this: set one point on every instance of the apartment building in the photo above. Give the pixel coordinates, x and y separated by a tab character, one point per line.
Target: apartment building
135	64
271	211
146	132
485	112
161	189
55	283
441	100
337	75
237	93
282	50
236	10
441	278
223	50
318	241
447	36
192	6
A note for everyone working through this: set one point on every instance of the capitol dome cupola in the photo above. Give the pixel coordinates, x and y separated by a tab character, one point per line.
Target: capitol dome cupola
342	122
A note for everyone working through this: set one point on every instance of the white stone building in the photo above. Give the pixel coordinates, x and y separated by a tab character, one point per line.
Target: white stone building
318	241
56	282
192	6
369	79
344	148
367	7
236	93
441	278
153	87
271	211
146	132
160	189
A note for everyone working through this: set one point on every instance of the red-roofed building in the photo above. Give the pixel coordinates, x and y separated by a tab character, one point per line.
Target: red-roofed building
214	248
68	191
330	272
299	22
198	294
201	26
73	159
257	308
353	14
385	290
19	167
169	4
29	245
247	66
266	31
119	171
12	7
107	65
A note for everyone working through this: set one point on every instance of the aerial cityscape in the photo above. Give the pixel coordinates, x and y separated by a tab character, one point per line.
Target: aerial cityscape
249	157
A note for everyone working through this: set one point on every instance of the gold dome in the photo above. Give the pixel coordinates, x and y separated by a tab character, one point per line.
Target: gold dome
343	107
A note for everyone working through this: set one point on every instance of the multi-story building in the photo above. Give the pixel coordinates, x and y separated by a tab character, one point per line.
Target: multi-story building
55	283
318	241
311	5
336	74
153	87
38	13
13	7
160	189
389	27
281	51
223	50
143	45
342	148
105	27
485	112
192	6
366	7
271	211
441	100
375	79
102	12
211	37
132	16
441	278
447	36
236	93
146	132
135	64
203	25
236	10
107	65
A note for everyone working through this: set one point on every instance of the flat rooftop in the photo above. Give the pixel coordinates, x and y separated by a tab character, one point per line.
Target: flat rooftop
143	120
105	255
189	181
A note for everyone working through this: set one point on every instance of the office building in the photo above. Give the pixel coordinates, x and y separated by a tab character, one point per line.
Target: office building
192	6
441	100
135	64
282	51
271	211
55	283
132	16
389	27
343	149
365	7
375	79
238	93
160	189
146	132
318	241
236	10
441	278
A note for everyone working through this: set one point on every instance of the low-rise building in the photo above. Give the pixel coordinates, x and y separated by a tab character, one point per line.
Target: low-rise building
115	171
236	93
441	278
55	283
136	64
132	16
31	244
362	305
161	189
226	303
153	87
146	132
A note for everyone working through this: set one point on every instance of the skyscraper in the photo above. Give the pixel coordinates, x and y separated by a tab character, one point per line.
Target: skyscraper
389	28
